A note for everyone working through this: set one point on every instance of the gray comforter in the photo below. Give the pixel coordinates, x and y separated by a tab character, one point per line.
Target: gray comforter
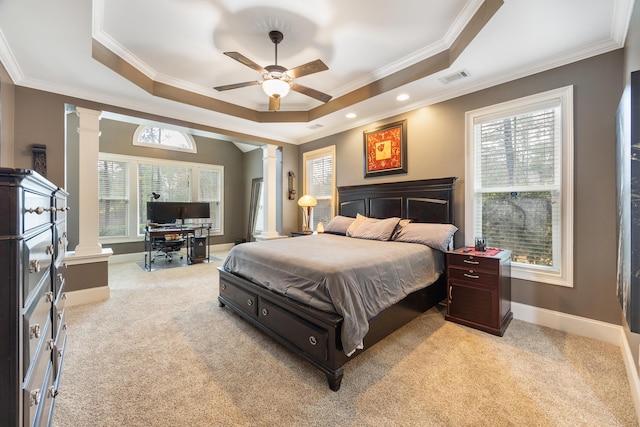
355	278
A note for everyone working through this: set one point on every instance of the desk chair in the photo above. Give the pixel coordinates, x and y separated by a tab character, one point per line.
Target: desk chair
167	248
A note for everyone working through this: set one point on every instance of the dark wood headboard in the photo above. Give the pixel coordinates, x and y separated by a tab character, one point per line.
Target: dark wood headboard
427	200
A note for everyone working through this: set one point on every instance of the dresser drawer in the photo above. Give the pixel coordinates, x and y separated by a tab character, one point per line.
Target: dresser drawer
59	348
36	328
37	388
478	276
59	317
37	258
37	210
304	335
61	240
246	301
473	262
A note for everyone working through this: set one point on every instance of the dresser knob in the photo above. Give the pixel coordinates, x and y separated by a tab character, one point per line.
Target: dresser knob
52	392
34	397
313	340
265	312
34	266
249	302
224	286
34	331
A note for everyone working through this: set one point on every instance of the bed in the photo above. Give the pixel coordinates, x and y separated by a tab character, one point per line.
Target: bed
330	328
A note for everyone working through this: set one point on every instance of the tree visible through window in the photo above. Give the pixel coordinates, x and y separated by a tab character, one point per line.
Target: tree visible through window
158	137
518	186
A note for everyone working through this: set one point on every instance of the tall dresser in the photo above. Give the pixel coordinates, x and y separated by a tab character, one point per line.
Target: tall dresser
33	240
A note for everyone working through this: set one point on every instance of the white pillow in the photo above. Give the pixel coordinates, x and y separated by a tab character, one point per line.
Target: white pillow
436	236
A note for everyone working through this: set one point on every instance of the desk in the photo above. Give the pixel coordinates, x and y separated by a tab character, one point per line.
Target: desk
186	232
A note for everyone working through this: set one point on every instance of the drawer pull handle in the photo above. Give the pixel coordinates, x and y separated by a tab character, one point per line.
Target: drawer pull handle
265	312
50	249
59	316
313	340
34	397
471	276
50	345
60	277
64	296
39	210
48	297
471	262
450	293
224	286
52	392
249	302
34	331
34	266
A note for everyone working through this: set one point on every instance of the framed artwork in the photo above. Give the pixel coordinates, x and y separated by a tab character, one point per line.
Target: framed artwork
385	150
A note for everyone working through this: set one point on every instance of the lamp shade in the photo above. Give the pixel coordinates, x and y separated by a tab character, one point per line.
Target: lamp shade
307	201
275	88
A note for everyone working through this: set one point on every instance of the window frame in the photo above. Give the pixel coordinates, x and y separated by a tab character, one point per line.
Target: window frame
133	234
329	151
564	98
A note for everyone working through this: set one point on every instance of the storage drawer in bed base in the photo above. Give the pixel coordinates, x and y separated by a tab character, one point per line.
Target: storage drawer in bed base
305	325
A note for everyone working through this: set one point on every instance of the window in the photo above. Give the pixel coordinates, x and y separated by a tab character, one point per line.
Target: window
319	182
126	185
519	189
168	139
113	198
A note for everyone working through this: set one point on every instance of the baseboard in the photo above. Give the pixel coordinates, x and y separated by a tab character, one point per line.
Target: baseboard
602	331
85	296
139	256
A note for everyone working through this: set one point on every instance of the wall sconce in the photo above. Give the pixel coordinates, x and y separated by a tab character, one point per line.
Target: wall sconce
292	191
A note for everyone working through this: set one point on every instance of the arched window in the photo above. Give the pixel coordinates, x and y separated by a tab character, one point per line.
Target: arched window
168	139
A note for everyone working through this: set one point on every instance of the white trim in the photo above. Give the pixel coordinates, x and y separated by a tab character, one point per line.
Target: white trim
602	331
71	258
564	96
86	296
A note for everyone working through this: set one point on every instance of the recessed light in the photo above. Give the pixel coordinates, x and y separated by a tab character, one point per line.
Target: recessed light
351	115
402	97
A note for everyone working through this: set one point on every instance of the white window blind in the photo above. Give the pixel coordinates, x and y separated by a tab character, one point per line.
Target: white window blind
209	191
520	186
320	183
113	198
172	183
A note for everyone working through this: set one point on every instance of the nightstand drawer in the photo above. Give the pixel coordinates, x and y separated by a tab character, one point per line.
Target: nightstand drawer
473	262
477	276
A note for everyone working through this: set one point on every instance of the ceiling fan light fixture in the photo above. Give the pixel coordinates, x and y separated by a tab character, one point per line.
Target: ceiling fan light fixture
276	88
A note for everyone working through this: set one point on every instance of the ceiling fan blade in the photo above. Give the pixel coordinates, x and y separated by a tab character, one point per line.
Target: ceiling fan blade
320	96
246	61
236	85
306	69
274	103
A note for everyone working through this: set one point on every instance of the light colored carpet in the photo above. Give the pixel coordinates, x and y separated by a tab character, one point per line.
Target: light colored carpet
161	352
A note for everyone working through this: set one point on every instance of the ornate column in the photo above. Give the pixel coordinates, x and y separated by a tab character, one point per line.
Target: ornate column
89	130
269	188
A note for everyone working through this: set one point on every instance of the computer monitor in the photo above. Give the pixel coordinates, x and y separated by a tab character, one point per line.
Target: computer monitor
170	212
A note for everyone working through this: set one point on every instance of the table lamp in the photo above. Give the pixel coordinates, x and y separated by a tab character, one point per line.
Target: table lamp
307	203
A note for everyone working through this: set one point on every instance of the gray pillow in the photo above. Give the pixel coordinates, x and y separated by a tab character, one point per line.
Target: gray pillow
339	225
436	236
376	229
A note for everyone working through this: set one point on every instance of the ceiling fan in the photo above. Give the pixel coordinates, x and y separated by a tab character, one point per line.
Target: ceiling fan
276	80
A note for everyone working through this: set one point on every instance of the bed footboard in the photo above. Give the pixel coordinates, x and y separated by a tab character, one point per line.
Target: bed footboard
311	333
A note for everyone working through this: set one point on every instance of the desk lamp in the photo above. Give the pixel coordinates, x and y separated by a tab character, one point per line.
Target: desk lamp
307	203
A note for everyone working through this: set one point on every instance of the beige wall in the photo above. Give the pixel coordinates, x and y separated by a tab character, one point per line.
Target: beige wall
436	148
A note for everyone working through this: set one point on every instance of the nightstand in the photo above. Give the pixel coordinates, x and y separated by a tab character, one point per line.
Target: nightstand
479	289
